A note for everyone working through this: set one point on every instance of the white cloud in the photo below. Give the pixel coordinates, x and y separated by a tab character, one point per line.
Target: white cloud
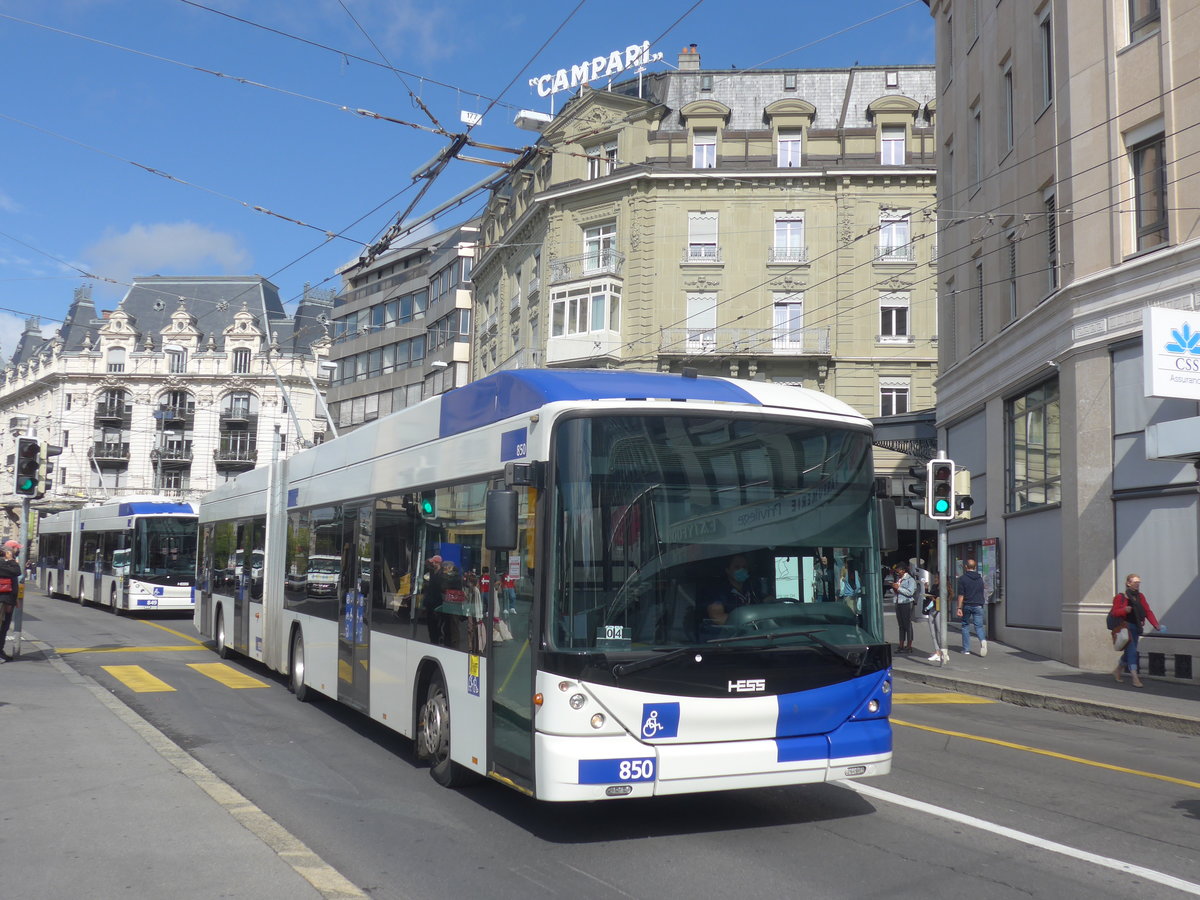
166	248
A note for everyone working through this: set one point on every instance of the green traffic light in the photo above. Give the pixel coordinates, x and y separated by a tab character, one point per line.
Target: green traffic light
941	506
426	507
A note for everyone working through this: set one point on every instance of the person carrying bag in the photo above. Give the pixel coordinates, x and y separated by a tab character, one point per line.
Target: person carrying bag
10	579
1126	620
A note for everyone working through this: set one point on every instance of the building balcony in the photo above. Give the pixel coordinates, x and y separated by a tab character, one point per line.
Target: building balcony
172	455
112	411
788	255
109	453
514	302
702	254
235	457
171	416
236	417
812	341
534	286
903	253
575	268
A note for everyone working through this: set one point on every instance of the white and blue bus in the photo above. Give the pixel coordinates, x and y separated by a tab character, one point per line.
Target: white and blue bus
137	553
533	581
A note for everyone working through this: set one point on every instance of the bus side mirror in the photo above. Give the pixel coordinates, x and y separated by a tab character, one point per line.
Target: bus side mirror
500	523
889	540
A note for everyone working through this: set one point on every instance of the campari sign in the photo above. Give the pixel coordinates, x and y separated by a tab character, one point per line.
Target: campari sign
594	69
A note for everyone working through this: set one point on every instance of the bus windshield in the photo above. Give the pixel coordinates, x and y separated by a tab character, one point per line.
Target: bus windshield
679	530
164	547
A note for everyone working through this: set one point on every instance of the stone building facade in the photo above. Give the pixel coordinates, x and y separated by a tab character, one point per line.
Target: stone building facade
185	384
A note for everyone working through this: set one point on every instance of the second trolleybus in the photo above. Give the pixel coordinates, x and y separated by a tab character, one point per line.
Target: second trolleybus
136	553
582	584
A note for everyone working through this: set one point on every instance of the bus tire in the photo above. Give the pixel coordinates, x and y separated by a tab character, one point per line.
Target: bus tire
112	598
221	647
433	737
296	682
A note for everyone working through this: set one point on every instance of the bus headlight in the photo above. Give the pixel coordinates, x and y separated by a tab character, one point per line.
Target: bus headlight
598	720
577	701
873	706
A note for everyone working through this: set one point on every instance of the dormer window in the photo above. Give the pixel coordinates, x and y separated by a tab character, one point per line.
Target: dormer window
704	150
601	160
241	361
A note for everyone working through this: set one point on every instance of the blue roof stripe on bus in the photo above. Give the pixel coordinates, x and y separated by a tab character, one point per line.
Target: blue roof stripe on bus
505	394
142	509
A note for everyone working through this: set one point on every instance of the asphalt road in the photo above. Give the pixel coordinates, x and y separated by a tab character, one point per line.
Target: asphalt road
985	800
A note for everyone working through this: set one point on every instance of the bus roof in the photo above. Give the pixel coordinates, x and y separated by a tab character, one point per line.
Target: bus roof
510	393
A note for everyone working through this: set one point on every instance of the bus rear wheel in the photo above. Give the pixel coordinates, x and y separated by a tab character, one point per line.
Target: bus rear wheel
297	685
433	737
222	648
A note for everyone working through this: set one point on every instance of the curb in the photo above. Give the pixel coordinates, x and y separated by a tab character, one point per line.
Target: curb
1179	724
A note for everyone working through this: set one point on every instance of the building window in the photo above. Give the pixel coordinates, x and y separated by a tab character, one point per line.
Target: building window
894	235
893	396
704	150
789	81
788	333
584	310
1034	457
176	361
602	160
1143	18
891	78
975	148
1051	242
116	359
706	82
790	142
702	321
1150	192
702	237
241	361
1007	131
599	244
891	147
789	238
893	317
1046	35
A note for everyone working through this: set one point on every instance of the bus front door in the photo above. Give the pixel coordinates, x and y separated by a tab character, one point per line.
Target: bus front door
354	609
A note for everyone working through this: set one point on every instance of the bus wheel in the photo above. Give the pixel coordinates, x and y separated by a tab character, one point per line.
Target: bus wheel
297	685
112	598
433	737
222	648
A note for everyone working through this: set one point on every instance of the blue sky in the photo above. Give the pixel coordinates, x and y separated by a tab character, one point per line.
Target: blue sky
124	155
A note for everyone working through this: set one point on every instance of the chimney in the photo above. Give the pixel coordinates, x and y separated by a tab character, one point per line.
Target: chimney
689	59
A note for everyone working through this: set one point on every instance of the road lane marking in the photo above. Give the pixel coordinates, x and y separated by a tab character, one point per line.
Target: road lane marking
178	634
171	648
1154	875
228	676
939	698
1050	753
138	679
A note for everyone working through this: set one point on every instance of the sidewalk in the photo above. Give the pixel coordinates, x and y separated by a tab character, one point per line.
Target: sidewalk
1015	676
98	802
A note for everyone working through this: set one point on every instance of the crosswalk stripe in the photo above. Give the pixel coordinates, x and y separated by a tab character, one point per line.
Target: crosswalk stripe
228	676
138	679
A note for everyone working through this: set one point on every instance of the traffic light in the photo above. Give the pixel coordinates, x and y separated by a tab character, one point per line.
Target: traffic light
26	482
919	487
963	501
940	492
45	467
428	504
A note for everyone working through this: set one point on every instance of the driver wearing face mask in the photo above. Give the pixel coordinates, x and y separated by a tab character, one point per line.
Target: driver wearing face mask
736	591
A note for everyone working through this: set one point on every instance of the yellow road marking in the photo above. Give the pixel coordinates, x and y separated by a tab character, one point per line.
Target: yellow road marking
178	634
227	675
137	679
1050	753
938	698
170	648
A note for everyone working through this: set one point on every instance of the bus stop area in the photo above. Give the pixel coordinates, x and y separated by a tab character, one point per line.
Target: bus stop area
97	802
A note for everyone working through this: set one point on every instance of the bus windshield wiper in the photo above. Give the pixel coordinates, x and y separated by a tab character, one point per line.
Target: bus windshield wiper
651	662
849	657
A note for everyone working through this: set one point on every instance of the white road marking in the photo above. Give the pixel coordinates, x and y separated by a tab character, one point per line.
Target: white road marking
1154	875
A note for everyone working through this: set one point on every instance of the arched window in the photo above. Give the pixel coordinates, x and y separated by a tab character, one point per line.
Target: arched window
241	361
116	359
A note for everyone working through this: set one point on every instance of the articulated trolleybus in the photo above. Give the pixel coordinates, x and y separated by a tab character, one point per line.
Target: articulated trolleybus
137	553
582	584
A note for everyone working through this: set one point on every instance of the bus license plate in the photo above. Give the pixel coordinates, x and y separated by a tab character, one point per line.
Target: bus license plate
608	771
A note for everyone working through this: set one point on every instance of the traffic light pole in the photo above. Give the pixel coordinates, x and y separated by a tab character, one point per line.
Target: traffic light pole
946	592
18	610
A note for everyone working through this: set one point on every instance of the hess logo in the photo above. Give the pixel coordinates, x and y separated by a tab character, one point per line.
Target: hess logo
748	686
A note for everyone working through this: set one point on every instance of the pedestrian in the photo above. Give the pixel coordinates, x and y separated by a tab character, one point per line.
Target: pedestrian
1133	610
933	615
970	607
906	590
822	576
10	578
